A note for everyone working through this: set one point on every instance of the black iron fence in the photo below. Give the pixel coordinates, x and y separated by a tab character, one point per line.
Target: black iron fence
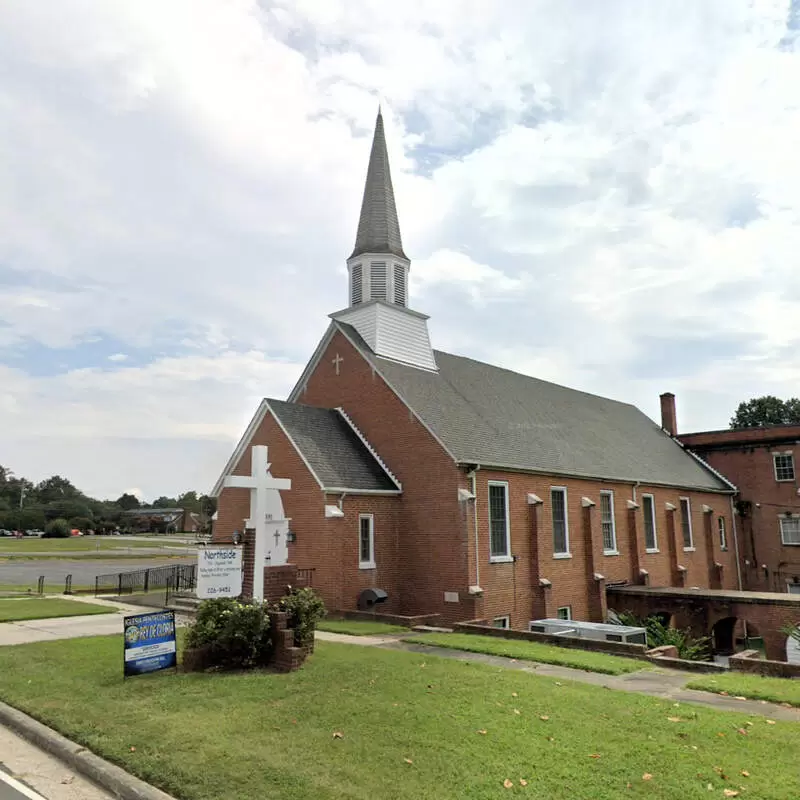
174	577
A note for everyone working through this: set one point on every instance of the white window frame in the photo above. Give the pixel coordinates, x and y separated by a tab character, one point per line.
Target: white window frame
566	553
787	454
568	609
690	548
614	550
499	558
794	519
371	563
654	548
505	620
722	532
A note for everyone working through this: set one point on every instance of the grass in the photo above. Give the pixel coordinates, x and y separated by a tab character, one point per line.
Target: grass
533	651
50	587
14	609
71	545
359	627
737	684
411	726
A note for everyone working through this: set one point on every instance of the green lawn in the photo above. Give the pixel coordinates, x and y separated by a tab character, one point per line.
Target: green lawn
50	587
359	627
409	726
71	545
14	609
533	651
737	684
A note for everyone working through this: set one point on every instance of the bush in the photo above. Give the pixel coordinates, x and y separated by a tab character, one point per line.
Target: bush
234	635
57	529
305	609
690	648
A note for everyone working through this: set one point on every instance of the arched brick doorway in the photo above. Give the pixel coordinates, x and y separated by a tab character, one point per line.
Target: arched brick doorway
723	636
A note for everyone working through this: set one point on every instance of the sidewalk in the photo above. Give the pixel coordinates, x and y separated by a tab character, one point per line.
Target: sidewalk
45	630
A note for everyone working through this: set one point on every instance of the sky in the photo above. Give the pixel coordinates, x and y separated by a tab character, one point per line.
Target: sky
604	195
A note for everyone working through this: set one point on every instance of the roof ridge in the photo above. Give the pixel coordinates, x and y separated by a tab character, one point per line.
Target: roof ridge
373	452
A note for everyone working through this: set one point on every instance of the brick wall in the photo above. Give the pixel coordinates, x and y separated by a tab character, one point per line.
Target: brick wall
431	543
750	467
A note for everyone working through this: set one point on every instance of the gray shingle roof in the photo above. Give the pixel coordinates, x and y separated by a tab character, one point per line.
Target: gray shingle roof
492	416
333	451
378	228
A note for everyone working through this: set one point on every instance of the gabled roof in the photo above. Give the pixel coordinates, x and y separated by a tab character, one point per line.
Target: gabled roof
378	227
332	448
486	415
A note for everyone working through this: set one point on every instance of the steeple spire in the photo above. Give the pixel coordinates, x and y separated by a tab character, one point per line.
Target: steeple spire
378	228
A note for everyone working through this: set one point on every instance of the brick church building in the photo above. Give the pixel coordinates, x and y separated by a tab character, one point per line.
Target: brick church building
463	489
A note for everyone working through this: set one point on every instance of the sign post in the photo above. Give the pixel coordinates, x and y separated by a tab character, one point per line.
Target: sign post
150	643
219	572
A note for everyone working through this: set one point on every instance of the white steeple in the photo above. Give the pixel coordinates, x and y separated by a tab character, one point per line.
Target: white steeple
378	272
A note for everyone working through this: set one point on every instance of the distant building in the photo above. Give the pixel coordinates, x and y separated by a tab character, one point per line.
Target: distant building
463	489
163	520
762	463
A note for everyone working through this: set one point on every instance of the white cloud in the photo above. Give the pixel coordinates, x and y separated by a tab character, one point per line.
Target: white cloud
602	194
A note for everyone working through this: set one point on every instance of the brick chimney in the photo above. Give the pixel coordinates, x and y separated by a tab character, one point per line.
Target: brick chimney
669	420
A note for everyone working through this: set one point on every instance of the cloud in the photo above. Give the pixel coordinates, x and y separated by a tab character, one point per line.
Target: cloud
603	195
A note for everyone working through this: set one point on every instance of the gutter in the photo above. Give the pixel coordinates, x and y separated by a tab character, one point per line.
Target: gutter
475	510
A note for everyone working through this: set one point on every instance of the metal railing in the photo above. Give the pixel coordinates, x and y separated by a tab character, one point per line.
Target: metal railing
173	576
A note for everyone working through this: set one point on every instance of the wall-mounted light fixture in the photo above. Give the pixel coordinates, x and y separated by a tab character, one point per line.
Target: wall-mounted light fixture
237	537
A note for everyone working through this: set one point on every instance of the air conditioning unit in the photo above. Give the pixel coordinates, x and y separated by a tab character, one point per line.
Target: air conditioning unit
599	631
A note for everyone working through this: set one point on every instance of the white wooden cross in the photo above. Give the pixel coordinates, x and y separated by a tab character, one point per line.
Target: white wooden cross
336	362
266	514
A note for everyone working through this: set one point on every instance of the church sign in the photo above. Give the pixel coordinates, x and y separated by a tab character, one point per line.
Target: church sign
219	572
149	643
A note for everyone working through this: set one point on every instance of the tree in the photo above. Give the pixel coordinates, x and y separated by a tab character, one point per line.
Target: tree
56	488
165	502
189	500
128	501
767	410
57	529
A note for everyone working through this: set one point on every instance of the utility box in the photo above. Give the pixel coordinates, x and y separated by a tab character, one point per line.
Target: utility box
369	598
599	631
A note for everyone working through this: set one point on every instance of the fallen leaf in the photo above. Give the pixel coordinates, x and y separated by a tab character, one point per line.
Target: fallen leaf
338	735
594	755
647	777
724	694
507	783
745	773
544	718
674	719
710	787
523	782
68	780
558	683
517	711
739	697
770	722
408	761
482	732
787	705
514	694
551	738
730	793
749	724
743	731
133	749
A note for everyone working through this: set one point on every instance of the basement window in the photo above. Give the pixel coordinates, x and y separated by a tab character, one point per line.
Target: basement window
784	466
565	612
501	622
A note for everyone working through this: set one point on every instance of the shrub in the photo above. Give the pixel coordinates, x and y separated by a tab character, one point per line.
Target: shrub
305	609
690	648
235	635
57	529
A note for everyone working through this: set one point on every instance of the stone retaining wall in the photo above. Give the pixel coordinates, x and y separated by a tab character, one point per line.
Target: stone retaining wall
751	661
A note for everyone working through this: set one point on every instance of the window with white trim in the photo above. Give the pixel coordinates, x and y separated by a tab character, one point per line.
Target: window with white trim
649	514
565	612
723	534
558	502
686	523
790	530
784	466
366	541
607	522
499	533
501	622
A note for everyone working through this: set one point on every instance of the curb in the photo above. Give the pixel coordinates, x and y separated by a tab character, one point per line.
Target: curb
108	776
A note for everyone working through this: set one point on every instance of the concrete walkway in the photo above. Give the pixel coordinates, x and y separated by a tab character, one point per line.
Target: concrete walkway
45	630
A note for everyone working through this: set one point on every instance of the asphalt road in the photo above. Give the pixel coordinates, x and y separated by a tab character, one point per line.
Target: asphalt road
83	571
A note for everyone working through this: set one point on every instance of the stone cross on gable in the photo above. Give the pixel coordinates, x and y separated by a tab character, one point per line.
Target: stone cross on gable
266	515
337	362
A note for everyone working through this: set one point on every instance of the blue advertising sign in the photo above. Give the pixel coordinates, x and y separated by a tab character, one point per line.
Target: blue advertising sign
150	642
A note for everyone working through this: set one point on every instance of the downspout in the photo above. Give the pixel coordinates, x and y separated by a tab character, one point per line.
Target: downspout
475	510
341	501
736	544
635	487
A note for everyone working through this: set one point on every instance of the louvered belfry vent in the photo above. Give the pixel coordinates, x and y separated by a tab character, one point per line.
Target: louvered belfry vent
399	285
356	284
377	280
